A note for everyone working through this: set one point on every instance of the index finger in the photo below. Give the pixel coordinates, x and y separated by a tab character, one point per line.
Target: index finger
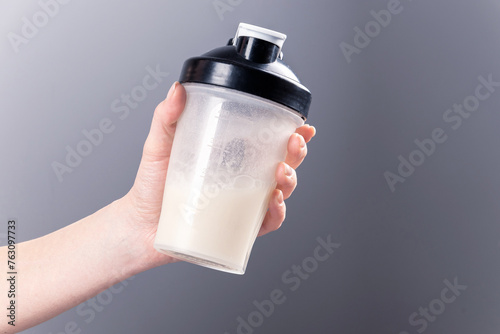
307	131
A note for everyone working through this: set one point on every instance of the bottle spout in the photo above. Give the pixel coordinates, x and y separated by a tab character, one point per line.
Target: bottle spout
258	44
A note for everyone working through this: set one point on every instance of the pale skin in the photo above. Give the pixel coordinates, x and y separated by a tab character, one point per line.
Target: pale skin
116	242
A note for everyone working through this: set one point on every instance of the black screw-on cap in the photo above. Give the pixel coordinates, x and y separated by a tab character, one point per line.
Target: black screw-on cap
251	63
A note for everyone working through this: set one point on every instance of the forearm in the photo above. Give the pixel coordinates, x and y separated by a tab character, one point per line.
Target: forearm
61	270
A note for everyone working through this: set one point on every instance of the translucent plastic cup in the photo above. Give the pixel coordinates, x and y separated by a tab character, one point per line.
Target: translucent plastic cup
243	104
226	149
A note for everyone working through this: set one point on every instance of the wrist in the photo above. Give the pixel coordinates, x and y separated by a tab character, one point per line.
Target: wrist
118	241
132	236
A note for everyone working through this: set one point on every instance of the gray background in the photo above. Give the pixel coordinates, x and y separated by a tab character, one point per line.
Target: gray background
396	249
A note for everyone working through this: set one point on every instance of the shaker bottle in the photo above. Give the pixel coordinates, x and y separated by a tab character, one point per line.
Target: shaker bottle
243	103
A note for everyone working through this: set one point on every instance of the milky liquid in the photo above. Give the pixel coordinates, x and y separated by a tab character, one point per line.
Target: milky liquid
216	229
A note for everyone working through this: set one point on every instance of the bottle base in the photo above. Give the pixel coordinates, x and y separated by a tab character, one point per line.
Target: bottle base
199	259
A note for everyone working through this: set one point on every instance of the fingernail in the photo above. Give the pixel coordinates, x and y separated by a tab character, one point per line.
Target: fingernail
314	134
280	198
288	170
172	90
302	142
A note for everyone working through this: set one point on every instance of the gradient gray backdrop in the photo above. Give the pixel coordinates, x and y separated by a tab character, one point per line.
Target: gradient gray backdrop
396	249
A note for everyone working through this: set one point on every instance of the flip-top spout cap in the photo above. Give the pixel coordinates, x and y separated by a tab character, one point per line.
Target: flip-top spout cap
258	44
251	63
271	36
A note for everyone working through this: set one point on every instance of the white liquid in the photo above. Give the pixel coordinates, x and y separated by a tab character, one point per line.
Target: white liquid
215	230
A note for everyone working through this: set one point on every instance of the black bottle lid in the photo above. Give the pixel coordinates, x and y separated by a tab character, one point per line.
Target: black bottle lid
251	62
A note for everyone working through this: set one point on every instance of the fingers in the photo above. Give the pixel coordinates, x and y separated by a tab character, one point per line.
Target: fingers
286	179
275	215
161	134
307	131
297	148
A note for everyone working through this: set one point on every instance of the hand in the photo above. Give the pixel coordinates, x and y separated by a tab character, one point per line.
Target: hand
141	206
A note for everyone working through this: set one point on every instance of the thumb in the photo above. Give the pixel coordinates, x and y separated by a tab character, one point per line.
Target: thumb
161	134
150	180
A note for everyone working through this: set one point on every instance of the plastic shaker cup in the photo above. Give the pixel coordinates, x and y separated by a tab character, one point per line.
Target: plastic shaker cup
243	103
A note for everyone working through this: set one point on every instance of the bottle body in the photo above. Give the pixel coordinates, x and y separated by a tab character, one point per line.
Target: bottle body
221	171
